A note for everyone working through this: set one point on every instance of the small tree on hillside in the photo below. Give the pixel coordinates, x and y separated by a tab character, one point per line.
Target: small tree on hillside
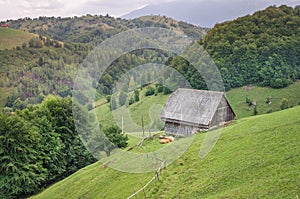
122	98
255	112
115	136
113	104
284	104
136	95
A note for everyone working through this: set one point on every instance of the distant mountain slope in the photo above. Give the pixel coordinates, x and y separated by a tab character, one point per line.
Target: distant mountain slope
94	29
206	13
10	38
257	157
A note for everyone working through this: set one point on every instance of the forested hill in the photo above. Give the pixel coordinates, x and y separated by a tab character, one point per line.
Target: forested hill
263	48
31	70
94	28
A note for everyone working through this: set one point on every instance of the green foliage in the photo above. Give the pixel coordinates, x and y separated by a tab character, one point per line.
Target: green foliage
149	91
113	104
259	49
30	72
108	98
39	145
131	101
136	95
166	90
115	136
255	112
122	98
159	88
284	104
248	101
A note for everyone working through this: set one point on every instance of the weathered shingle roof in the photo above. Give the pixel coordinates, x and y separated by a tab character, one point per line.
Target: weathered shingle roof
192	106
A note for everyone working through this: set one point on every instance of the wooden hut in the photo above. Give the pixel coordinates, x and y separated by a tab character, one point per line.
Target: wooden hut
188	111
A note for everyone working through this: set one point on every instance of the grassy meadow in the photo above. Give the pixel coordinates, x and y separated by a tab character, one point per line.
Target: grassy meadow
10	38
150	107
256	157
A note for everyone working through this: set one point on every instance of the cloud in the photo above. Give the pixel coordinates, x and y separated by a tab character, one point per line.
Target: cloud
14	9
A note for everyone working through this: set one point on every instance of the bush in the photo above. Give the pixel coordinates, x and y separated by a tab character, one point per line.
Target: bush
166	91
136	96
150	91
255	112
113	104
122	98
248	101
131	100
160	89
90	107
108	98
284	104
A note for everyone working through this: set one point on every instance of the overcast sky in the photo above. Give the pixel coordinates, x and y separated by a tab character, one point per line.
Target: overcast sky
14	9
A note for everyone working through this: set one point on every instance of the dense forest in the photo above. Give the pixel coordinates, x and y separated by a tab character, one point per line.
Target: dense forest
39	145
261	49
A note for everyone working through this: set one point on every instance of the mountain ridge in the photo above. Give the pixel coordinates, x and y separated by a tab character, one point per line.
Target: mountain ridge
205	13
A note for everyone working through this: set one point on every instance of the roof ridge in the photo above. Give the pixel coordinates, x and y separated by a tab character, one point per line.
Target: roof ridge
198	90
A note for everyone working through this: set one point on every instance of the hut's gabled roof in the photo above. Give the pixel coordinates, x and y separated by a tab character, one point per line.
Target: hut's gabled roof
192	106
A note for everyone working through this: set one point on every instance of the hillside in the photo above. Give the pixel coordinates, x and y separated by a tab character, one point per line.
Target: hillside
236	97
93	29
262	48
46	66
248	50
11	38
255	157
31	73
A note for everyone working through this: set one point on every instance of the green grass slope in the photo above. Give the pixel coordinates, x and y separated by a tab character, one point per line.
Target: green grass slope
237	98
256	157
10	38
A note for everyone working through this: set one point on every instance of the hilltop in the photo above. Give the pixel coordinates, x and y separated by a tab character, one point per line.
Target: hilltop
11	38
255	157
93	29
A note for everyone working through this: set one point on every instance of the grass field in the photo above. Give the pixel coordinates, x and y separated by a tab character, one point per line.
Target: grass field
10	38
150	107
237	98
256	157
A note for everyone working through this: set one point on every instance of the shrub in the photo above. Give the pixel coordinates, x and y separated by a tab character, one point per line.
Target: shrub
284	104
136	96
150	91
166	91
131	100
108	98
122	98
